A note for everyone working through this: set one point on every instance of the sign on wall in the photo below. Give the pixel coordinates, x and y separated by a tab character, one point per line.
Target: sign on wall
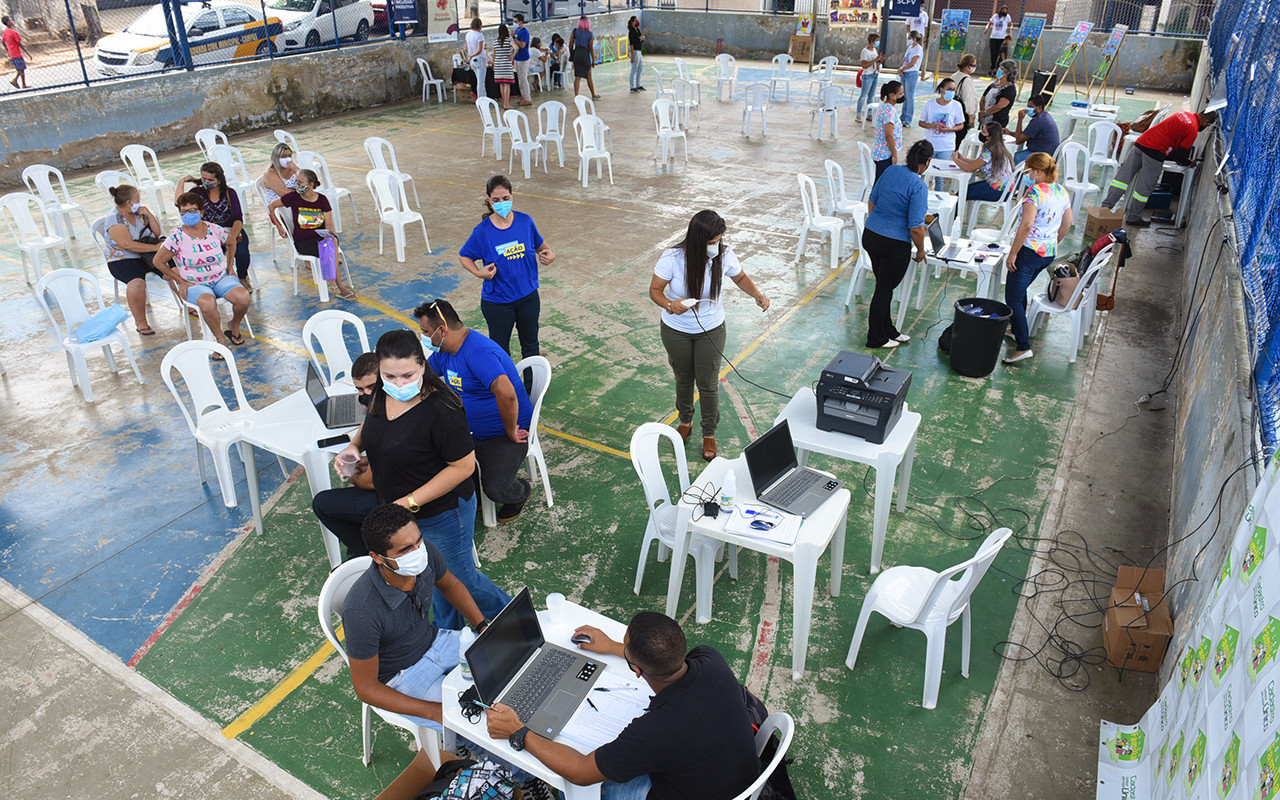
954	30
1074	43
1029	32
442	25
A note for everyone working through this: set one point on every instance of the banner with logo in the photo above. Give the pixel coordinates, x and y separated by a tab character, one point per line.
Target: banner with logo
442	22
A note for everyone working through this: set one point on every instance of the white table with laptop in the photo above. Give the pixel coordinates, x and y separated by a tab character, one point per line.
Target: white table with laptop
294	427
523	652
948	170
771	516
981	259
894	458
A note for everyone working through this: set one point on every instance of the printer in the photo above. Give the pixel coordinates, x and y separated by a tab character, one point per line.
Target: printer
859	395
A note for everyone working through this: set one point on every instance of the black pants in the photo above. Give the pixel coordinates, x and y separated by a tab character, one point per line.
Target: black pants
522	315
500	460
995	45
242	255
889	261
881	166
342	511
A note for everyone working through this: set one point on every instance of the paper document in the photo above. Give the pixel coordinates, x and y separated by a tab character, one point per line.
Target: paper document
615	701
785	526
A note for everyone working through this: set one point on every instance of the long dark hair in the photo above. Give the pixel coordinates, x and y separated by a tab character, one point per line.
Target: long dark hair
215	169
494	183
920	154
402	343
994	145
503	34
705	226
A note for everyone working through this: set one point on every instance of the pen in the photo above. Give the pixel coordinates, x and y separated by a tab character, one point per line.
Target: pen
593	705
616	689
482	704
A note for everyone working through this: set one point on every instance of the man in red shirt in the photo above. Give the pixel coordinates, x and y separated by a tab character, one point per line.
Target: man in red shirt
13	46
1170	140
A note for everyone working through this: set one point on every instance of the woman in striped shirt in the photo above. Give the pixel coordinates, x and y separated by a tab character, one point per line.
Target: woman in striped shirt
504	68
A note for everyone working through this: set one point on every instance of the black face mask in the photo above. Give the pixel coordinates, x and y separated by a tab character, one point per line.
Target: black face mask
982	137
364	399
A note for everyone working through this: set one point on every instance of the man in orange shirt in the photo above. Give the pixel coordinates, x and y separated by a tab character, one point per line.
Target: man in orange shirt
1171	140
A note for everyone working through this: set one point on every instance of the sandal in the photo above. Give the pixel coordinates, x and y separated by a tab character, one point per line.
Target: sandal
146	330
217	357
346	293
235	338
708	448
683	429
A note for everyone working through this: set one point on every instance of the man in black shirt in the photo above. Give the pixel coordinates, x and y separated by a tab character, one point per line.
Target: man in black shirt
693	742
342	510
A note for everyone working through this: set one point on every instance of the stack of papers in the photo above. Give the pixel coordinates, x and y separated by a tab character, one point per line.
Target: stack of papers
784	532
615	701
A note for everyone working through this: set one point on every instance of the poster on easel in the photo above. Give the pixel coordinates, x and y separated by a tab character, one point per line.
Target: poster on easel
442	24
804	25
1029	33
855	13
1109	51
953	30
1074	43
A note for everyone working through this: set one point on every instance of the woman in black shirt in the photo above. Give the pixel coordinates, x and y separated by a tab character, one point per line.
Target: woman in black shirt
421	457
222	207
999	96
635	40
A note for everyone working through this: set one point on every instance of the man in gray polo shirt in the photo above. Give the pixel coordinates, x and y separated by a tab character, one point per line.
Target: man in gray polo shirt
398	657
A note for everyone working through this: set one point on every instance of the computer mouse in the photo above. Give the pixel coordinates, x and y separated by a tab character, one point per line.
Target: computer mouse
580	638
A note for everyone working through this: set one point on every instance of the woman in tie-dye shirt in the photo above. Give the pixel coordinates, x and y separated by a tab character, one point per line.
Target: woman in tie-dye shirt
1046	220
888	143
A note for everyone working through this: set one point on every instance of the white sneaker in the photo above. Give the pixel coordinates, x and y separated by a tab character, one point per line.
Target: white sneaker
903	338
889	345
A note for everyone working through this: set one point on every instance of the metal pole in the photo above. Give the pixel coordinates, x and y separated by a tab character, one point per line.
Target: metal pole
76	38
333	17
266	31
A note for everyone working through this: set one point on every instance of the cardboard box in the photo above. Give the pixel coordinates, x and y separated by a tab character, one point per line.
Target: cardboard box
1100	221
801	49
1136	636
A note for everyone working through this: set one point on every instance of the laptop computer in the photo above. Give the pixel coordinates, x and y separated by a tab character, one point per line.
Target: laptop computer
512	663
778	478
942	250
338	411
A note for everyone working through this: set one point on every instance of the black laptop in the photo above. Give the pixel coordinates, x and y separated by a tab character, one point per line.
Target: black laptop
778	478
337	411
942	250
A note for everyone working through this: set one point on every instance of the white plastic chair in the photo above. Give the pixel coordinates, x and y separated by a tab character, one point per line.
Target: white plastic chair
840	202
260	187
1075	177
1105	141
309	159
781	74
867	168
682	69
326	329
814	220
551	116
310	262
928	601
664	120
142	163
522	142
64	286
645	445
869	114
57	208
206	138
430	81
826	74
1011	216
31	239
828	108
687	100
232	164
755	100
284	137
1008	193
861	266
727	67
99	236
491	117
1078	307
109	178
661	88
587	108
589	133
540	367
332	597
374	147
393	208
186	310
780	723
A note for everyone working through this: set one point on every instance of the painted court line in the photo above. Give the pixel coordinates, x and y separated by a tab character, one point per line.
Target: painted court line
281	690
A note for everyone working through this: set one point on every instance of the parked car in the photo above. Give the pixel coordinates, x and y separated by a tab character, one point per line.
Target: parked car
217	30
311	23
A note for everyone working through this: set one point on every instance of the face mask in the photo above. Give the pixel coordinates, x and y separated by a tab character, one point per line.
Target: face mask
403	393
364	399
427	345
982	138
134	208
1031	112
210	185
285	161
301	188
502	208
191	218
948	96
413	563
713	250
999	74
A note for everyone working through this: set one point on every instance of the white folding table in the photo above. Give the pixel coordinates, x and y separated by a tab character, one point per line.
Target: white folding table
947	170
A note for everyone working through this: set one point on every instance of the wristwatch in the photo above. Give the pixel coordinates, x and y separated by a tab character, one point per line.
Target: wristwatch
413	504
482	624
516	740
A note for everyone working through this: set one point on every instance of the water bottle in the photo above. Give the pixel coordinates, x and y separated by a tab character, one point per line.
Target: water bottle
728	491
467	639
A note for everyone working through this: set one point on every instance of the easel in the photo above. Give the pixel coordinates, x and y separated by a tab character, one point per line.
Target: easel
1111	71
1024	67
943	21
1053	82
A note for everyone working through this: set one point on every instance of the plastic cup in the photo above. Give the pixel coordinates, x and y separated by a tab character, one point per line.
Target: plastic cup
346	464
555	605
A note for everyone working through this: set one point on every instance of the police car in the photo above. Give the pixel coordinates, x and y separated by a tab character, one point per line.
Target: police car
217	30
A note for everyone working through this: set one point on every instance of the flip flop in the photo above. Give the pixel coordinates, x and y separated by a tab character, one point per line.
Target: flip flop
235	339
146	331
217	357
350	295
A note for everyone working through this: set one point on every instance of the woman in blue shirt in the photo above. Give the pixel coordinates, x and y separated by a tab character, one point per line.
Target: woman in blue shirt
895	219
504	251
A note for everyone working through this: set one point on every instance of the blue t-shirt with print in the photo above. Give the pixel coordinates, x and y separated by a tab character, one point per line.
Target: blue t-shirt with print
523	53
470	372
513	251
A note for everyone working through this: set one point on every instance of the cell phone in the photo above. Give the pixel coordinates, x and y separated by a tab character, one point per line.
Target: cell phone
341	438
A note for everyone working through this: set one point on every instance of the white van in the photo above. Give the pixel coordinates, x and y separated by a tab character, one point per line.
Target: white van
217	30
311	23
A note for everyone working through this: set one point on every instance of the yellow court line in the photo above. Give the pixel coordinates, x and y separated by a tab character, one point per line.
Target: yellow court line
762	337
388	310
604	448
281	690
281	345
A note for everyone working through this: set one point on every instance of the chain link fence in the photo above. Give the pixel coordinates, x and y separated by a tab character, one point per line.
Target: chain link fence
1174	17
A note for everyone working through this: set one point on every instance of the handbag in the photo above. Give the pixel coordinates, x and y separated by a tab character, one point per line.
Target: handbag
328	259
1065	278
857	81
149	238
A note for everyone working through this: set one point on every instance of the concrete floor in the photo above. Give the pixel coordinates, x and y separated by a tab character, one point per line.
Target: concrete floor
108	527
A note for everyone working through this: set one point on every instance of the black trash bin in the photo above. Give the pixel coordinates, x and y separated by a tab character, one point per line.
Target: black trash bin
977	341
1043	82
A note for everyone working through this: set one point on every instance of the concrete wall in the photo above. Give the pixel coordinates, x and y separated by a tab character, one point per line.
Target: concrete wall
86	127
1150	62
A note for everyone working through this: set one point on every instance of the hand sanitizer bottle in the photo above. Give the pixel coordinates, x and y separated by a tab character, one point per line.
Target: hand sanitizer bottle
467	639
728	491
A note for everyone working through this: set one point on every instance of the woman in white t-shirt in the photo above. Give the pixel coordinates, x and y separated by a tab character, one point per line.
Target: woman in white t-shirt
694	333
998	27
871	60
910	73
475	56
941	118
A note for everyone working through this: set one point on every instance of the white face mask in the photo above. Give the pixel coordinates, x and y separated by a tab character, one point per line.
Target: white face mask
713	250
413	563
285	161
134	207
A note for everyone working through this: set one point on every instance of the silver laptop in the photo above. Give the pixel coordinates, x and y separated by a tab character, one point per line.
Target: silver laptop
778	478
338	411
942	250
512	663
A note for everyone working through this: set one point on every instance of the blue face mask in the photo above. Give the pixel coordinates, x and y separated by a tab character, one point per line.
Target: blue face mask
1031	112
427	345
502	208
948	96
191	219
402	393
999	74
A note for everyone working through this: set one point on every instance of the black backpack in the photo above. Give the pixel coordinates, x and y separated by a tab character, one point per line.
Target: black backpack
779	785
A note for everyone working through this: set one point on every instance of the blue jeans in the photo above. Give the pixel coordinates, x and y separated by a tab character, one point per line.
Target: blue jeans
981	190
219	288
941	155
425	679
522	315
453	531
909	80
1029	266
637	68
868	95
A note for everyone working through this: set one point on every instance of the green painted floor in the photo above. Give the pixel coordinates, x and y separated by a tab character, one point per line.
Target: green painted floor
987	449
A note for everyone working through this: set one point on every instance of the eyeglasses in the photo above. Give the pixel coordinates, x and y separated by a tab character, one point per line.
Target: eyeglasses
417	604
